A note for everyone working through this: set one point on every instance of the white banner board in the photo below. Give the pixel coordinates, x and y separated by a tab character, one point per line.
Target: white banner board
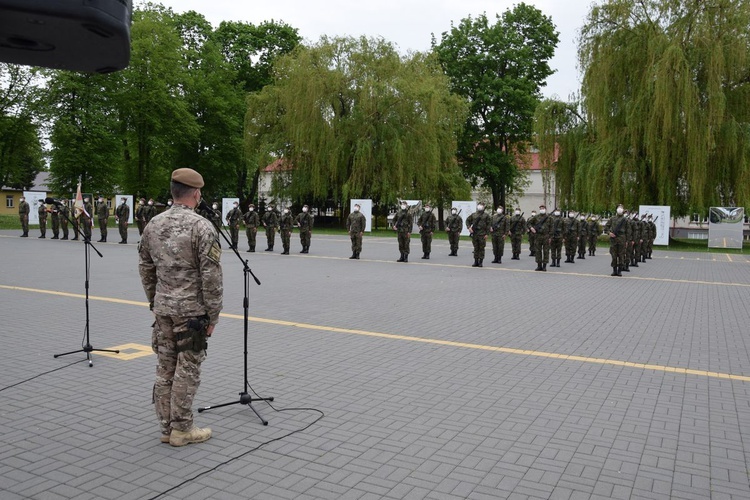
725	227
465	209
128	201
32	198
661	216
365	207
227	204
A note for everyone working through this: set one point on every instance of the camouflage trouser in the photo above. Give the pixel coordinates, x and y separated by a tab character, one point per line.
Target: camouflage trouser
64	226
43	226
541	249
532	243
286	237
453	239
56	226
86	228
103	228
592	242
570	246
271	236
649	247
556	247
356	242
582	245
498	245
123	226
304	238
251	233
25	223
178	375
479	241
234	233
617	249
515	243
140	225
403	242
426	242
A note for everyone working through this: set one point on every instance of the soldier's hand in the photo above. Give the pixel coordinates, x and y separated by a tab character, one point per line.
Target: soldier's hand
612	235
210	330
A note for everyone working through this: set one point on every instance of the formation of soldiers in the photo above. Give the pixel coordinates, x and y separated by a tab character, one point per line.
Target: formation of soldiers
631	236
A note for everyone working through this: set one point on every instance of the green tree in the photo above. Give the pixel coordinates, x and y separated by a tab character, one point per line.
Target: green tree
666	91
353	118
500	69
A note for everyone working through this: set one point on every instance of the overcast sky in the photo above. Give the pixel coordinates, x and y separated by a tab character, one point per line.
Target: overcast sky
407	23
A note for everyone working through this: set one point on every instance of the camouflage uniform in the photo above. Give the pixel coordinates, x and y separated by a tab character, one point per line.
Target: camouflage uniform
55	217
42	211
23	215
500	228
180	269
583	233
286	223
102	213
635	231
479	224
541	230
149	212
139	216
403	223
64	214
556	242
453	225
618	228
304	222
122	214
270	222
252	221
86	220
570	231
517	227
234	216
427	224
651	237
531	222
595	229
356	224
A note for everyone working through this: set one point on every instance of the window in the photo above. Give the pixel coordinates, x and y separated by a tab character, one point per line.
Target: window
8	201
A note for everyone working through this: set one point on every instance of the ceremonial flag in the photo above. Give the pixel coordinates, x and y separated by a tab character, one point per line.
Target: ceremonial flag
78	205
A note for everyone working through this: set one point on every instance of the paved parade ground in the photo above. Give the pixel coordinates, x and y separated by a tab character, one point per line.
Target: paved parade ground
436	380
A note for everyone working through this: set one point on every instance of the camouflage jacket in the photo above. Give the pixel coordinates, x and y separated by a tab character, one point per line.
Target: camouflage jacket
543	225
618	225
594	228
570	227
24	209
149	212
427	222
454	223
500	224
252	219
558	225
179	264
271	219
102	211
234	216
356	222
403	221
122	212
517	225
480	223
42	211
286	223
304	221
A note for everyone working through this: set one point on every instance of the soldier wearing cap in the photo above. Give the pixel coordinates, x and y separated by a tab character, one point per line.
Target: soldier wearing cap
583	234
55	217
595	229
252	221
180	269
304	222
149	212
426	223
122	214
454	224
87	219
234	216
479	224
139	220
270	222
517	228
542	231
500	228
102	214
42	212
617	227
356	224
64	215
531	222
23	215
286	223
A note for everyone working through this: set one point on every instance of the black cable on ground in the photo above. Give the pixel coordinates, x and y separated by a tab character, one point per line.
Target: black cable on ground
39	375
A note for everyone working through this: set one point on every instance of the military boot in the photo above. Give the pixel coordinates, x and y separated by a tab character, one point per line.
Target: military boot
64	238
495	261
625	268
428	255
401	259
500	260
406	257
614	271
544	267
634	263
538	266
354	255
357	256
476	263
479	262
619	271
424	256
194	435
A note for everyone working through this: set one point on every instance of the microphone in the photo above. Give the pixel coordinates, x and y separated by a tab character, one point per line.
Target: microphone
52	201
204	206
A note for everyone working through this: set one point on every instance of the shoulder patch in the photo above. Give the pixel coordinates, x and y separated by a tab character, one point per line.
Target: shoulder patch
214	253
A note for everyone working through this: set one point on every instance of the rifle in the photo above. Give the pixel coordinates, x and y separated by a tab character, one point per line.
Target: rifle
619	226
515	224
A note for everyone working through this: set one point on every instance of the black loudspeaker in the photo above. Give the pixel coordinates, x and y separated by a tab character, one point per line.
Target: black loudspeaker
76	35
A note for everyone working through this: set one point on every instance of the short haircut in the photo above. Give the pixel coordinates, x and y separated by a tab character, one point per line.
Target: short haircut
180	190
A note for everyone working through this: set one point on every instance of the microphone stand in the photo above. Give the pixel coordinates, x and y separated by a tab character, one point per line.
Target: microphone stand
245	398
87	347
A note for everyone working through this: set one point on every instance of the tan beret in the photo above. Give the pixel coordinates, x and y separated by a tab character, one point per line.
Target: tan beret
188	176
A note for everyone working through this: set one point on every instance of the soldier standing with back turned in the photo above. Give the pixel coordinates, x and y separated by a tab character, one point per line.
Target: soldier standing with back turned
426	224
479	224
454	224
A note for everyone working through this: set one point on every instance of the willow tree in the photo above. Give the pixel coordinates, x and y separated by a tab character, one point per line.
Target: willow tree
353	118
666	89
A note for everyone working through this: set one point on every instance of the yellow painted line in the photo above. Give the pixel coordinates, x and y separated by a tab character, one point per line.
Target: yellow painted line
142	350
729	257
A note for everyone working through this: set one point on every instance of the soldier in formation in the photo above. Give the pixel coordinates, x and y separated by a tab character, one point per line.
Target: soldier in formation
270	222
479	224
594	230
304	222
426	224
252	221
542	230
516	229
102	214
583	233
499	228
286	224
556	238
86	219
139	217
402	224
122	215
234	216
23	216
617	228
356	224
531	222
149	212
64	215
454	224
55	218
570	231
42	212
